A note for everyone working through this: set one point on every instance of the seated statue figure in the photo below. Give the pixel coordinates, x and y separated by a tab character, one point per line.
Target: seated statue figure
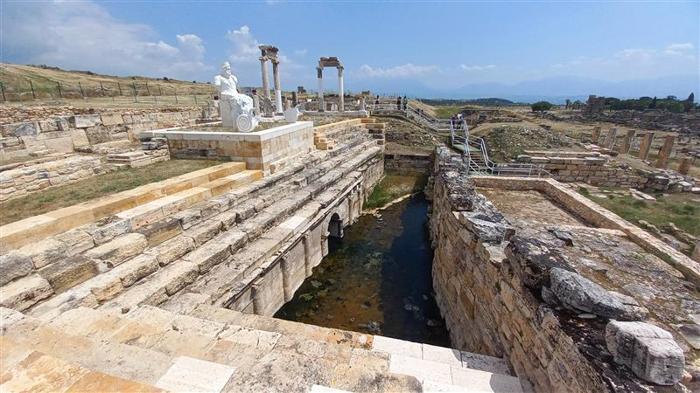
237	110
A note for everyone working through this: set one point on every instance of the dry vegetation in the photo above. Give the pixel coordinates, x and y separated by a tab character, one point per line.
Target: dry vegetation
95	187
16	82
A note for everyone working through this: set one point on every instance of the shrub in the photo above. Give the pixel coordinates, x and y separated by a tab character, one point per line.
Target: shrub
541	106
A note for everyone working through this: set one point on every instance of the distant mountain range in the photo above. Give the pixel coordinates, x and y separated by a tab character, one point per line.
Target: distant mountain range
554	89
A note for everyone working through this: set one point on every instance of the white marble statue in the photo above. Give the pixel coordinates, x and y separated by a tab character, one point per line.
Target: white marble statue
237	110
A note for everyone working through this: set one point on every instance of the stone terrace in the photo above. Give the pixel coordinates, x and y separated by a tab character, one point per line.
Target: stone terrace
134	299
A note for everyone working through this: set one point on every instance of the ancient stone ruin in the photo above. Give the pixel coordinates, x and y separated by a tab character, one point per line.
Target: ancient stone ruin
206	280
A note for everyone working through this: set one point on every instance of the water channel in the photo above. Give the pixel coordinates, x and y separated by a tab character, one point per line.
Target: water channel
376	279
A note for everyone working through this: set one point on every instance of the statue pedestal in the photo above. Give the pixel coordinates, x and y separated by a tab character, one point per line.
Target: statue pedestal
266	150
236	118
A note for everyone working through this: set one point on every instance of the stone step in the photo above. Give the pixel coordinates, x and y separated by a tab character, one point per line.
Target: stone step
106	286
226	247
60	375
434	374
120	360
252	352
32	229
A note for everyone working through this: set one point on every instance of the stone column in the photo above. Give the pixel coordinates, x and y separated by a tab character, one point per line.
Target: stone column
612	135
665	152
278	86
295	99
645	145
684	166
627	142
265	83
341	91
595	138
319	75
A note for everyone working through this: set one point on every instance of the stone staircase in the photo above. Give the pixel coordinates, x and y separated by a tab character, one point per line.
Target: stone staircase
134	301
214	349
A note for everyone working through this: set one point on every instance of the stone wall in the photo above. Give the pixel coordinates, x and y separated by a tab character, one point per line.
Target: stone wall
594	170
408	162
485	303
70	133
23	180
597	170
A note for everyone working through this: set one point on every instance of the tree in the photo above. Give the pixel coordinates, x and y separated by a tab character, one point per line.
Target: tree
541	106
653	103
688	104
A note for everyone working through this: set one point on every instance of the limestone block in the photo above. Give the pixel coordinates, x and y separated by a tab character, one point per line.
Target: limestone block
48	125
24	292
39	372
209	255
79	138
14	265
172	249
194	375
84	121
107	231
485	229
45	252
120	249
25	129
136	269
205	231
111	119
647	350
161	231
76	241
69	272
578	293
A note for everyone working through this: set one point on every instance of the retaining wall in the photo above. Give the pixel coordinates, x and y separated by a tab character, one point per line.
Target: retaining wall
482	295
68	133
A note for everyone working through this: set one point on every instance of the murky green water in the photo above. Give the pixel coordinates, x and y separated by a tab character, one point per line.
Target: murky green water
377	279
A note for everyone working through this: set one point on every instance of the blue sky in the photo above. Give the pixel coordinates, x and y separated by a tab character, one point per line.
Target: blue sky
428	48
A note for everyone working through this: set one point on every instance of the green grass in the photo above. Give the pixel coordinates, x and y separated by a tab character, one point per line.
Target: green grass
445	112
95	187
680	209
394	186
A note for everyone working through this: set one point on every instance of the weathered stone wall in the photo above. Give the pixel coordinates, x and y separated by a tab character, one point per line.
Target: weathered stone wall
598	171
482	294
593	170
68	133
23	180
408	162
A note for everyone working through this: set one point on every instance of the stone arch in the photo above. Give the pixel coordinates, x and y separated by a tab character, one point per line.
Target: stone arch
335	226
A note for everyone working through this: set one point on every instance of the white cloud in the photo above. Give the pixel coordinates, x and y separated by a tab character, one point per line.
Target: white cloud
245	46
400	71
635	63
84	36
301	52
684	49
469	68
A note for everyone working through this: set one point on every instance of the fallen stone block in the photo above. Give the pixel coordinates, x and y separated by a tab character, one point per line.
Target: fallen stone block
580	294
649	351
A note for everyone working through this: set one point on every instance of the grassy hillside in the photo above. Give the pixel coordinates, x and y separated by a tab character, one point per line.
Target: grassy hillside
16	82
